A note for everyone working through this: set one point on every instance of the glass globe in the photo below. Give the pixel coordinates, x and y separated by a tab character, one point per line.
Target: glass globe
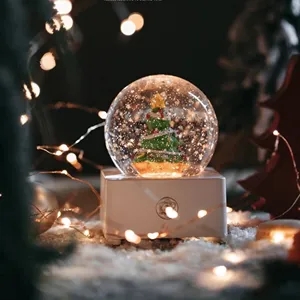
161	126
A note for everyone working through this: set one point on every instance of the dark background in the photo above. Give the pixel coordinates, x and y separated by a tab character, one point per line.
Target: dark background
183	38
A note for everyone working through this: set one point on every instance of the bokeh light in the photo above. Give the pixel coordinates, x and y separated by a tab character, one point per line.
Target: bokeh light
128	27
24	119
102	114
35	89
63	147
63	7
66	222
56	25
67	22
48	61
153	236
138	20
277	237
72	158
132	237
171	213
202	213
220	271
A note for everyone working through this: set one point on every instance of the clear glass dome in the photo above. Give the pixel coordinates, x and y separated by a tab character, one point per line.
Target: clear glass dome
161	126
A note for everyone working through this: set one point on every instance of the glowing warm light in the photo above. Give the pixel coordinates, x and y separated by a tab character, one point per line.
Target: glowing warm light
65	172
72	158
58	153
275	132
56	25
202	213
237	218
163	234
277	237
102	114
220	271
67	22
128	27
171	213
66	222
153	236
24	119
138	20
86	233
131	237
229	209
63	7
47	62
35	89
58	214
234	257
63	147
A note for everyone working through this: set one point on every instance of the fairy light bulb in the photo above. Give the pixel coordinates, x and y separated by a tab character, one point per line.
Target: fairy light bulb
234	257
102	114
163	234
58	214
86	233
202	213
35	89
64	172
66	222
72	158
57	26
67	22
229	209
219	271
58	153
128	27
153	236
63	147
47	61
171	213
276	132
138	20
24	119
63	7
277	237
132	237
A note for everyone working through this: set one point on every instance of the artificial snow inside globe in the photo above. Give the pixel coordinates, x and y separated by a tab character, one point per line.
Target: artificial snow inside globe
161	126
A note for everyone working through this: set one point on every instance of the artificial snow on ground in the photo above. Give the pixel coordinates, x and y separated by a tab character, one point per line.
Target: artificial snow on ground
184	271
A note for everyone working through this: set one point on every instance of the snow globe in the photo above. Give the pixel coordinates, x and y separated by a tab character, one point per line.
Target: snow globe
161	132
161	126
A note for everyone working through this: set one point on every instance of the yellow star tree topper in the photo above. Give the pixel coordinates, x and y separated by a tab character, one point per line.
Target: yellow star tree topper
157	101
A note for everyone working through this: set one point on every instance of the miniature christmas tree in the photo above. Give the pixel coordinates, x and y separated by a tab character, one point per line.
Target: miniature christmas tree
278	183
160	148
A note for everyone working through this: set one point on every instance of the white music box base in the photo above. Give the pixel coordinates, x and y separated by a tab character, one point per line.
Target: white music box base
138	204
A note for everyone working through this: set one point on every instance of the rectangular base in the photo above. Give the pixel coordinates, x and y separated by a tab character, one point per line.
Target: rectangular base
138	204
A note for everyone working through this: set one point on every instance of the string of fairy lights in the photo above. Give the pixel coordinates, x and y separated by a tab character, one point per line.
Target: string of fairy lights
171	213
62	19
75	157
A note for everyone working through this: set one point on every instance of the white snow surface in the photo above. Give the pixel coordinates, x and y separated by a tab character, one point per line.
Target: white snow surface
96	271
